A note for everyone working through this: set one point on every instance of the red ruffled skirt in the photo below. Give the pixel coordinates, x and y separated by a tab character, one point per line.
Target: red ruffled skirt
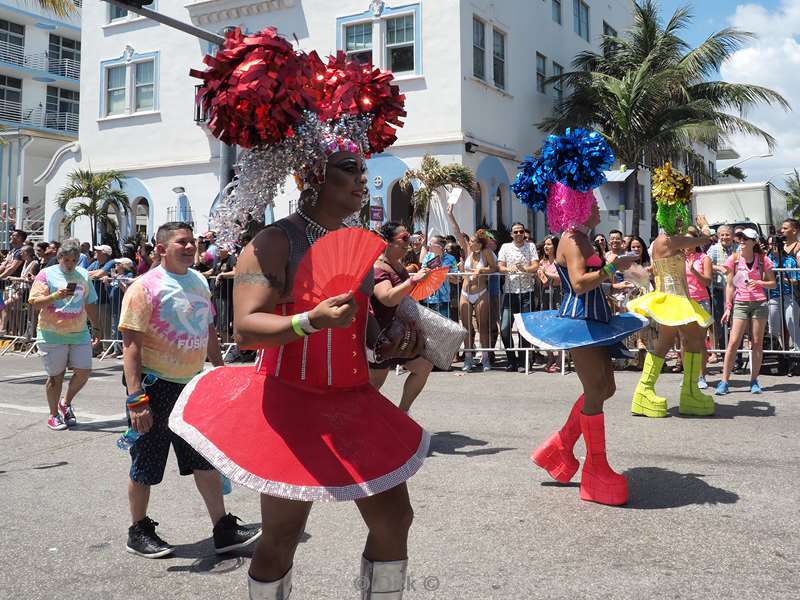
295	441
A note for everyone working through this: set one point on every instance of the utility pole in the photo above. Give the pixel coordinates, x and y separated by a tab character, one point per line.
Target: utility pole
227	154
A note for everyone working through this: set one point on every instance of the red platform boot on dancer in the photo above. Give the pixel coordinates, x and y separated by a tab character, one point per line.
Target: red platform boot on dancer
599	483
555	455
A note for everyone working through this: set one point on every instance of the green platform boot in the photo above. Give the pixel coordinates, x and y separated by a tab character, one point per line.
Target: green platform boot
645	402
693	401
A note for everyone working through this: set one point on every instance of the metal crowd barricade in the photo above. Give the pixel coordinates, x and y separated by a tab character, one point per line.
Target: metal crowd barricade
475	298
783	332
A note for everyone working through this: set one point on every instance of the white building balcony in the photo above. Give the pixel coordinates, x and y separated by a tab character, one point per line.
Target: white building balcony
15	115
14	57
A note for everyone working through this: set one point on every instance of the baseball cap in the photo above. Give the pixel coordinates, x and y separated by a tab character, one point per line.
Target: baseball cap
126	262
104	248
750	233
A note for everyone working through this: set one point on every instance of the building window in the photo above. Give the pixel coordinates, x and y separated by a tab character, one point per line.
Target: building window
130	88
609	30
580	14
478	48
400	44
63	108
12	42
358	42
558	85
115	90
556	8
499	59
541	72
64	56
144	85
116	13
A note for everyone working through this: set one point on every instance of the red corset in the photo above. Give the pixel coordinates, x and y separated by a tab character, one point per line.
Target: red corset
329	358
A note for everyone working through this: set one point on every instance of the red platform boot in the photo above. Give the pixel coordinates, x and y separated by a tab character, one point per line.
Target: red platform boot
555	455
599	483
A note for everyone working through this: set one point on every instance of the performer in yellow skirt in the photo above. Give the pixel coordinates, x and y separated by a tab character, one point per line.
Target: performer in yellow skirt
669	305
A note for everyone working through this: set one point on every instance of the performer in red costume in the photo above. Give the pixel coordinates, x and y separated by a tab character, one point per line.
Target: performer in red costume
306	425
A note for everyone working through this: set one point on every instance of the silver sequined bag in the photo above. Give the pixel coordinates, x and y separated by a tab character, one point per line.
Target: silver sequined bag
443	337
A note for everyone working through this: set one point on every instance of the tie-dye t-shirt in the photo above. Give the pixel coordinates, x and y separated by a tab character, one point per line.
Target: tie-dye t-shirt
173	312
63	321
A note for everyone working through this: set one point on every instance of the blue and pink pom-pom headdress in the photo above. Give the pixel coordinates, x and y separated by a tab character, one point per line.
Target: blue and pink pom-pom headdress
561	179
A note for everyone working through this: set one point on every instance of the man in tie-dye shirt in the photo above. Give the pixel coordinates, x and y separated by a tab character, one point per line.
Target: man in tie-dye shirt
167	324
63	296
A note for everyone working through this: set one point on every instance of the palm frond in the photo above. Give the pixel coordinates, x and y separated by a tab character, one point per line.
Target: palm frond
62	8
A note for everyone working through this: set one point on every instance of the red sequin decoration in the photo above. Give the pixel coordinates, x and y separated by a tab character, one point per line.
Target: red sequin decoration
255	88
352	88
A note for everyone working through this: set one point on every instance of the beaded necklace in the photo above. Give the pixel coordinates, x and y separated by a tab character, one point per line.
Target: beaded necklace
314	230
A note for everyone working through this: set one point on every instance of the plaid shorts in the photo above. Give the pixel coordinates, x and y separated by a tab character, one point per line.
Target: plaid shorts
149	453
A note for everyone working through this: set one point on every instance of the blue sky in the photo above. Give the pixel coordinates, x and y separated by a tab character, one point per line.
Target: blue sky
771	61
709	15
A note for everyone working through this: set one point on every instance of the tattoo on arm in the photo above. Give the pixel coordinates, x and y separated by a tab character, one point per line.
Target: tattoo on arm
262	279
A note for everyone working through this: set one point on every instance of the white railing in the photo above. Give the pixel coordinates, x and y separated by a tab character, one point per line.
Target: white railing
34	224
38	117
40	61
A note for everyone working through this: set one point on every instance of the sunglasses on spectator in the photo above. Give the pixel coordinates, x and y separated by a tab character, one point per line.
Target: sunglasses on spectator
518	232
402	237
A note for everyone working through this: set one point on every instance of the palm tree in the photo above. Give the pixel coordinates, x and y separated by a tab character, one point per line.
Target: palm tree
651	94
62	8
98	194
793	193
432	176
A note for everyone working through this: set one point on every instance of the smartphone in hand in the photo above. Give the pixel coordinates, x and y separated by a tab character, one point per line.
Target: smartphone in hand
71	286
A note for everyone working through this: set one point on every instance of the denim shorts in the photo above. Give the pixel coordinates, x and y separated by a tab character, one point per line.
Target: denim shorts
149	453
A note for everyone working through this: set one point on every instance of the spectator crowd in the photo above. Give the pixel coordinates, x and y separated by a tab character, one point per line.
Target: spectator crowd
493	275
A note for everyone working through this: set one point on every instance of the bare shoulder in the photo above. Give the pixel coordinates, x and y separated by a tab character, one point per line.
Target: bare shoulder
263	261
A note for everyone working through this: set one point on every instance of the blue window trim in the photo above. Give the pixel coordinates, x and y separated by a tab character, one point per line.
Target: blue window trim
387	13
39	17
116	62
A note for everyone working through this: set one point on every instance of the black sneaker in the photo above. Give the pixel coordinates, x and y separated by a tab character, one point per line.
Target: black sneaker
229	535
144	541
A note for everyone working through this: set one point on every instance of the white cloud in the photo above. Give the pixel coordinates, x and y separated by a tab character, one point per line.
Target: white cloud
771	61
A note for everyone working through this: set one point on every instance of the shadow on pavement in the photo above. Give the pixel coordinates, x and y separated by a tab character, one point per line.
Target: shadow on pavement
110	426
744	408
208	562
450	442
39	380
654	487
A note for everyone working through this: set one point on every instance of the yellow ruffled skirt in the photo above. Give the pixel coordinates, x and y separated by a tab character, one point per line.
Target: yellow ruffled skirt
670	310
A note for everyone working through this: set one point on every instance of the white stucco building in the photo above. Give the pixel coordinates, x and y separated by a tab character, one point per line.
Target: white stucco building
40	57
472	72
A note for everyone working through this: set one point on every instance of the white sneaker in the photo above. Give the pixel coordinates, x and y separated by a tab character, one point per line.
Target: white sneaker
701	383
467	363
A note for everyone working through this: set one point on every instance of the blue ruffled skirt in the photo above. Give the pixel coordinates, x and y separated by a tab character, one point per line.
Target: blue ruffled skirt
549	331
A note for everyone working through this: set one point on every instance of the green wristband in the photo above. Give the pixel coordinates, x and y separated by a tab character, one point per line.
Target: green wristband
296	326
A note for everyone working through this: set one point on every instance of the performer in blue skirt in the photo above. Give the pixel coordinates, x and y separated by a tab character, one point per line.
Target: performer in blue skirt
561	180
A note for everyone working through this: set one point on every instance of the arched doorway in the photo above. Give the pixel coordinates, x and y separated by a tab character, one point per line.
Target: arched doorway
401	209
141	216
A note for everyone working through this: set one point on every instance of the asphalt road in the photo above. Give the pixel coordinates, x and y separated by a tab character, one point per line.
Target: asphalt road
713	510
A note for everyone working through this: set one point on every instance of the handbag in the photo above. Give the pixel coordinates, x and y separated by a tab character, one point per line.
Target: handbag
443	337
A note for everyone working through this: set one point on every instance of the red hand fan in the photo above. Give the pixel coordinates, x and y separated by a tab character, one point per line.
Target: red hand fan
335	264
430	284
